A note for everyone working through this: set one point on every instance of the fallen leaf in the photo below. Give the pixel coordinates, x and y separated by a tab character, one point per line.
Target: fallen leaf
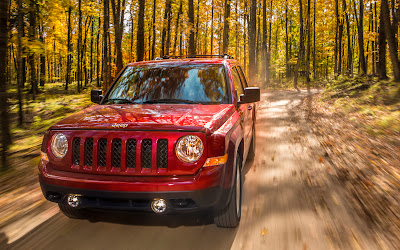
321	160
264	231
272	158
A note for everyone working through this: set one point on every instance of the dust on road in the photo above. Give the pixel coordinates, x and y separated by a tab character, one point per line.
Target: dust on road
289	202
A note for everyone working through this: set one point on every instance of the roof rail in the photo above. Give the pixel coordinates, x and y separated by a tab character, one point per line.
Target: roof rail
225	56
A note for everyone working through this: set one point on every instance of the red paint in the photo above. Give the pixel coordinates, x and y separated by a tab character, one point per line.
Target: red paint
204	178
207	118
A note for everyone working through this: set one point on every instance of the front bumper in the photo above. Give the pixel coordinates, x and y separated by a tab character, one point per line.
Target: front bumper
202	191
177	202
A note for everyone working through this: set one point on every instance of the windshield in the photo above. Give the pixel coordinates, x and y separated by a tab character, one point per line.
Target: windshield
171	83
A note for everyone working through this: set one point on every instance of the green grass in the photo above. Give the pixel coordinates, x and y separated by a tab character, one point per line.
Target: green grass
379	104
51	105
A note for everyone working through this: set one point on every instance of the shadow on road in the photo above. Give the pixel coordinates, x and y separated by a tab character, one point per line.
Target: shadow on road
150	219
127	230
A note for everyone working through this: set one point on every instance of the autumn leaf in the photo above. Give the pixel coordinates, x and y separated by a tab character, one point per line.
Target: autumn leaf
264	231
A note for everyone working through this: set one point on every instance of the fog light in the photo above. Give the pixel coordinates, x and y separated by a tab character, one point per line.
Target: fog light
159	206
74	200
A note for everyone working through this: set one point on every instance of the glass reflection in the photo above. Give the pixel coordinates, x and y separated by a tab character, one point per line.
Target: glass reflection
171	83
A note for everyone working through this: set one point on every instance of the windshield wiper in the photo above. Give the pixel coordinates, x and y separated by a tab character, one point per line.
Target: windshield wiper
170	101
121	101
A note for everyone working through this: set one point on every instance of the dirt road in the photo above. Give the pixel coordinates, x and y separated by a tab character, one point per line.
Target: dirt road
290	201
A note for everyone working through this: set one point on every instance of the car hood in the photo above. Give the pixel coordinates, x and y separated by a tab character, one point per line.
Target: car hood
149	117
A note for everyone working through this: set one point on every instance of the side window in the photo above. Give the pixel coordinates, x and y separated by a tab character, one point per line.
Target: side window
237	82
241	73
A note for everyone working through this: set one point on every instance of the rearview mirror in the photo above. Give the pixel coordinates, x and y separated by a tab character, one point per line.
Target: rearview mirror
96	95
251	94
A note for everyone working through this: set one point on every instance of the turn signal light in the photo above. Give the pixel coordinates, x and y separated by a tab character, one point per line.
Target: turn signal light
44	157
216	161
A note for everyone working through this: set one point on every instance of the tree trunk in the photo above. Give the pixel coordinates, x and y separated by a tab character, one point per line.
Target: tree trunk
308	45
395	19
42	75
371	19
236	30
167	15
177	26
225	39
376	39
196	40
79	68
336	51
212	27
23	50
363	65
106	59
246	20
264	40
268	57
340	52
382	73
20	68
88	22
314	47
32	57
118	10
300	54
98	54
69	50
153	45
192	46
258	29
391	40
168	42
349	51
140	32
5	126
91	51
132	36
252	40
205	37
220	31
287	40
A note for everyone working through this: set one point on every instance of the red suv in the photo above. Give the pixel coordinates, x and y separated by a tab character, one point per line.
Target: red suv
169	136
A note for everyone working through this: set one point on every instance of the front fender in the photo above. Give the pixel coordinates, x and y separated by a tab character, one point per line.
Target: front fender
231	135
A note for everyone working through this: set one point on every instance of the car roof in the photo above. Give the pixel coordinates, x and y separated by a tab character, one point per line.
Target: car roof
178	61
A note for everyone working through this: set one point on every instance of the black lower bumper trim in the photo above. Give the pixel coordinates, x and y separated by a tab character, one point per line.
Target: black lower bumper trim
177	201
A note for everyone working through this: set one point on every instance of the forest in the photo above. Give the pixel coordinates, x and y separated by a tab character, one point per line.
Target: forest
76	45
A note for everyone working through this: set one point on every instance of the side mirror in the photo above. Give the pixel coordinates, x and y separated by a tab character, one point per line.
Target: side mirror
96	95
251	94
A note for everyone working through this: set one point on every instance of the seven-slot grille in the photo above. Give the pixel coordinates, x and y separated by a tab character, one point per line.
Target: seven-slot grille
117	147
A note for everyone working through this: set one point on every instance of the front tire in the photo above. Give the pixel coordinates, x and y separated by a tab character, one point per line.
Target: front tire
74	213
229	217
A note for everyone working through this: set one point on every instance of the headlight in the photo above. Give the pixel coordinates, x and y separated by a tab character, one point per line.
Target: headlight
59	145
189	148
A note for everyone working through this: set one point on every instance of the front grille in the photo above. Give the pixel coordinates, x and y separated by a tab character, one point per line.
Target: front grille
146	153
89	152
131	153
102	153
76	149
162	153
97	148
116	153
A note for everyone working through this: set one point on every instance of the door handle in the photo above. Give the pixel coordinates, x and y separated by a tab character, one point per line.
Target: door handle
249	107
